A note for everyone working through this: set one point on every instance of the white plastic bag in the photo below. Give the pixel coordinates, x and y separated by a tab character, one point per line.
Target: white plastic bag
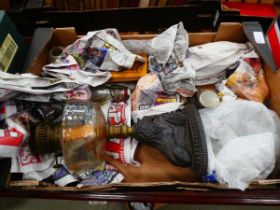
242	138
211	60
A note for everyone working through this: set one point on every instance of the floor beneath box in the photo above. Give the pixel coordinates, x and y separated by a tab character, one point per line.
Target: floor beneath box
42	204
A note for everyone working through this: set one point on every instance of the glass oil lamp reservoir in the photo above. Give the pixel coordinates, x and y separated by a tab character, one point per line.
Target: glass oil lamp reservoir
81	136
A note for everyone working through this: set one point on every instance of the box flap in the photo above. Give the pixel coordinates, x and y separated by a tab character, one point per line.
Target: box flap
231	32
65	36
254	32
40	39
43	39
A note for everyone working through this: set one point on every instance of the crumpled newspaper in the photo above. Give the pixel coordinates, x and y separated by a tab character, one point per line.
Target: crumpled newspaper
148	98
57	171
167	59
30	84
91	58
88	61
27	161
11	139
118	112
101	175
181	68
40	89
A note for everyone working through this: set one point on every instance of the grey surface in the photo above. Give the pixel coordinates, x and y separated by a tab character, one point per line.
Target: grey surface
45	204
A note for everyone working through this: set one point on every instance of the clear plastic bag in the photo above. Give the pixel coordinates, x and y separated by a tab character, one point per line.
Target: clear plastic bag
248	80
242	140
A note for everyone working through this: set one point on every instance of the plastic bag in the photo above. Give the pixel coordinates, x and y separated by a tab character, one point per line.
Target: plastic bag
248	80
242	138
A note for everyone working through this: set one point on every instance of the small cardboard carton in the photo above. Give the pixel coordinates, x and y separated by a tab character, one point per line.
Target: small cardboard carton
13	48
156	173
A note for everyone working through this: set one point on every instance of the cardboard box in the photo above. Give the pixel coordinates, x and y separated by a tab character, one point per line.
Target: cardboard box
165	181
13	48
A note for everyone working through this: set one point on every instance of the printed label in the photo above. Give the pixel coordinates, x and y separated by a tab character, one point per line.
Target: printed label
259	38
7	52
96	55
116	114
10	137
162	98
115	148
26	157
